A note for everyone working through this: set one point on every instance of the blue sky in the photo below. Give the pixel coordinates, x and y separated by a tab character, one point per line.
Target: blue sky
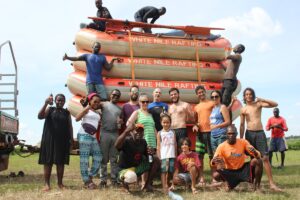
42	31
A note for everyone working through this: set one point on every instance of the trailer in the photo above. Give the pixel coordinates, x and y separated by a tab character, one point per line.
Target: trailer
9	121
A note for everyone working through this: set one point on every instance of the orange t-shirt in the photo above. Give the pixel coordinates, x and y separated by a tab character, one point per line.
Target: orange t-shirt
234	155
203	110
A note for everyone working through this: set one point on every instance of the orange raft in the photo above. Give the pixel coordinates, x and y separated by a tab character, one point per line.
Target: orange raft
152	46
161	69
76	84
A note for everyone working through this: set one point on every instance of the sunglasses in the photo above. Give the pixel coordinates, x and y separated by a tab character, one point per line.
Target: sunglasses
116	95
144	102
215	97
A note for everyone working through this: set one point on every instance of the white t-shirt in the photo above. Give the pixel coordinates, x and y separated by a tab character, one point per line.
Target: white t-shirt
92	118
167	144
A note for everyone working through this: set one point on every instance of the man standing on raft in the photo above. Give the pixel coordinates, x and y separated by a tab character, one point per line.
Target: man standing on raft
143	14
230	81
255	133
94	64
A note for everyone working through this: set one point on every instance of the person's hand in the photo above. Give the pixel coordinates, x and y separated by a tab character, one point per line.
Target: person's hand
150	150
118	59
219	162
172	187
191	164
49	100
65	57
195	128
213	126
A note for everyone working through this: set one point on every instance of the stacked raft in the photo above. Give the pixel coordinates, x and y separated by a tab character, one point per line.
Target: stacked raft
149	62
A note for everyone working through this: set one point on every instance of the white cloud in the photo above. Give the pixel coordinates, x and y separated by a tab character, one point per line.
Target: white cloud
264	47
298	104
256	23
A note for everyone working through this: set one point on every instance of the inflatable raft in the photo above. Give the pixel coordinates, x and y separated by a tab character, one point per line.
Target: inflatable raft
160	69
76	84
114	43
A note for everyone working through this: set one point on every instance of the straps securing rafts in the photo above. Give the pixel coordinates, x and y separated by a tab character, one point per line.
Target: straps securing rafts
131	57
197	61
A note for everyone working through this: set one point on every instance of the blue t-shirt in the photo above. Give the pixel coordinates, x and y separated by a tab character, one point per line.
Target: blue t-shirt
156	108
94	65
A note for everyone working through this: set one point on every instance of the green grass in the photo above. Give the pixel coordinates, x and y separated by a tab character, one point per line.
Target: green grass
29	187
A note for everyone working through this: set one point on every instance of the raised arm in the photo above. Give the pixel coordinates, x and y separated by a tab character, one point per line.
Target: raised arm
66	57
120	140
43	113
266	103
80	115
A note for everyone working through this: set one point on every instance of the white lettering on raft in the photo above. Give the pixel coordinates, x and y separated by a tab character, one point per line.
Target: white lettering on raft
174	42
179	63
163	84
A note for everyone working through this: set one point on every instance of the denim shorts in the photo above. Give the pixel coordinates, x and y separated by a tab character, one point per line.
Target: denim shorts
97	88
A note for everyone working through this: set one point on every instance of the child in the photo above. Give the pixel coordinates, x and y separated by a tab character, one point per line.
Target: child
187	166
166	150
88	144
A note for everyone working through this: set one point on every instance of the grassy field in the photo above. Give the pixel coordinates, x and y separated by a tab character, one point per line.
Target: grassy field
29	187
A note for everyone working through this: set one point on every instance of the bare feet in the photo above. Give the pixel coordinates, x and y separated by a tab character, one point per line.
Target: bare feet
194	191
147	188
275	188
201	184
46	188
62	187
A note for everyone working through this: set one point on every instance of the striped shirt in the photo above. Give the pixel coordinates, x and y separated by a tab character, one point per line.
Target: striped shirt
149	128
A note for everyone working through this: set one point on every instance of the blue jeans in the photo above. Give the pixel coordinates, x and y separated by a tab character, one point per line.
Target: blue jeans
97	88
216	141
88	145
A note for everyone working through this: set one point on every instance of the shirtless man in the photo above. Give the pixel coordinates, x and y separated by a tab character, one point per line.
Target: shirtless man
157	107
255	134
180	113
230	81
202	128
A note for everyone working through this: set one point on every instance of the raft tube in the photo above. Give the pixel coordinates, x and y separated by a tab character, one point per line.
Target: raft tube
153	46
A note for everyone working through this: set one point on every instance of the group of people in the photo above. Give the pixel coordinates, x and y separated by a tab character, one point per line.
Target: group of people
141	138
155	137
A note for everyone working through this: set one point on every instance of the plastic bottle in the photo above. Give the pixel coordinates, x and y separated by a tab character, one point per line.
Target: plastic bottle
150	158
174	196
51	99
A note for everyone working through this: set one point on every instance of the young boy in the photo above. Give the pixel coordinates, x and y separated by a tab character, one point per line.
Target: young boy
187	166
